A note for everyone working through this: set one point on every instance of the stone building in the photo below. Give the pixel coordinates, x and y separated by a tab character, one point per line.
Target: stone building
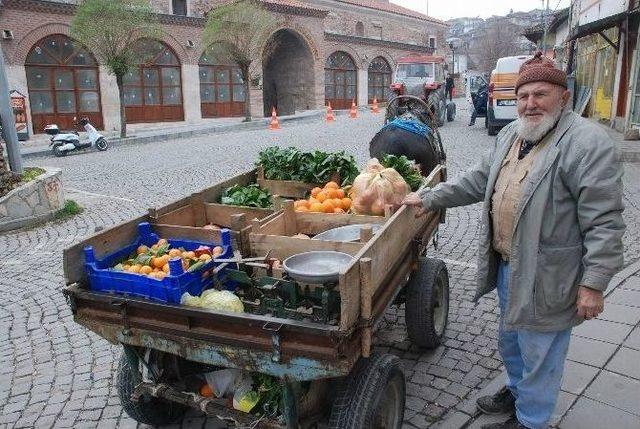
331	51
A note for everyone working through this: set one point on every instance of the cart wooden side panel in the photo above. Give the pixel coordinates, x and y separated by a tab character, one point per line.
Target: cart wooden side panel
386	252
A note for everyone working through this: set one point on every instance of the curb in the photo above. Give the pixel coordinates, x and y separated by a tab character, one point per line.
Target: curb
462	416
243	126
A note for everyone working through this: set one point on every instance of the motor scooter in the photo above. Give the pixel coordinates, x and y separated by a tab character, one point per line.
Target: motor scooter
63	142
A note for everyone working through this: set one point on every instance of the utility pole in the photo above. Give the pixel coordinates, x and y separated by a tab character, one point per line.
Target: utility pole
9	133
544	27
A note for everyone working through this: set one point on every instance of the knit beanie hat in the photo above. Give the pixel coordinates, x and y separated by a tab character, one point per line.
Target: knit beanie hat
540	69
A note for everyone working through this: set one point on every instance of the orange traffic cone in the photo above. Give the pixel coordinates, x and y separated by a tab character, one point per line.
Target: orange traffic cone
274	125
353	113
330	117
374	108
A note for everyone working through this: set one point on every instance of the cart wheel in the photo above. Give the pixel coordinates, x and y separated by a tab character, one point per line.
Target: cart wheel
372	396
427	305
148	410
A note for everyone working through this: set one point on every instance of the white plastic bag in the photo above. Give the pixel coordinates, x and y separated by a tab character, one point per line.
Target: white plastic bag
223	381
376	187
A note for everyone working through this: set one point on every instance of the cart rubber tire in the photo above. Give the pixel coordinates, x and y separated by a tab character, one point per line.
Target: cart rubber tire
57	152
102	144
149	410
376	384
430	279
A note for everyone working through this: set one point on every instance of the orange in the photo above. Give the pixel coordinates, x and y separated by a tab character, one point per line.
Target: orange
327	206
346	203
142	249
189	255
205	257
303	209
206	391
315	191
332	185
135	268
146	269
340	193
332	193
316	207
217	251
165	268
160	275
338	210
126	267
337	203
174	252
162	242
312	200
322	196
301	203
154	247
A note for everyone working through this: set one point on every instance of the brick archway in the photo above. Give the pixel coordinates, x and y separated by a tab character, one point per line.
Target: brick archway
288	73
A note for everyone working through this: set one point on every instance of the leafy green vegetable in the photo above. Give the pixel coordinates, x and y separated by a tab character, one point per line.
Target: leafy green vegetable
407	169
270	391
309	167
248	196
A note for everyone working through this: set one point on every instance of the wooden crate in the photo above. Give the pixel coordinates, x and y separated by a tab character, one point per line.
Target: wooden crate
289	188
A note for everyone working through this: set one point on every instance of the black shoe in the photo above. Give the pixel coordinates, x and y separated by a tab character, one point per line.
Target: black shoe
512	423
501	403
471	124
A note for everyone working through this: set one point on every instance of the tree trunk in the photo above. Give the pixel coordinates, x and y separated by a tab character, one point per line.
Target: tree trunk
247	97
123	113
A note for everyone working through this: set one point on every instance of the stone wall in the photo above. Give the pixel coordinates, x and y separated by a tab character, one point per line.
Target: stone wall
33	202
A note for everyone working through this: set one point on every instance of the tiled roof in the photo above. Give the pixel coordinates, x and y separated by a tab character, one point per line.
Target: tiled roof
393	8
293	4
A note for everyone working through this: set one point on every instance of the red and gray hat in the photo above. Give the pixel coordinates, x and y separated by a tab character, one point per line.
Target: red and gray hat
540	69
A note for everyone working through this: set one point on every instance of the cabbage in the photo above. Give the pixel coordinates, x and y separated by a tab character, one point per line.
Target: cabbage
214	300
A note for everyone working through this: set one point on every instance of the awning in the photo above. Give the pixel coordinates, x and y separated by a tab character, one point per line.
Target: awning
596	26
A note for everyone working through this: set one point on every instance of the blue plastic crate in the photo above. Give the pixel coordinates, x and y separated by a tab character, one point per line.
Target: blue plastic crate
169	290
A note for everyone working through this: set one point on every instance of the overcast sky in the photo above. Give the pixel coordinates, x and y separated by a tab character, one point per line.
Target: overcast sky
447	9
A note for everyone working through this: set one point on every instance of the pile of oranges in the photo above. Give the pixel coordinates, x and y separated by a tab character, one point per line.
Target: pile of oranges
153	261
330	199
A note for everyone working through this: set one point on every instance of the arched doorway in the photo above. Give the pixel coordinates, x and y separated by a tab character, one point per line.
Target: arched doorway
62	79
379	79
221	86
153	90
287	67
340	80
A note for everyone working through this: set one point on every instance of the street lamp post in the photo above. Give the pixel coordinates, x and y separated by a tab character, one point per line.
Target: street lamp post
8	123
453	56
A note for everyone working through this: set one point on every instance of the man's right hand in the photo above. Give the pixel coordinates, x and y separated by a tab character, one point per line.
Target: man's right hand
414	200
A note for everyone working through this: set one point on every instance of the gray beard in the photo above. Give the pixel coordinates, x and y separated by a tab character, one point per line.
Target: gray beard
534	132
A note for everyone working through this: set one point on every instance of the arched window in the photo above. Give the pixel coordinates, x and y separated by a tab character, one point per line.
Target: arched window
379	79
359	29
62	79
340	80
221	86
153	90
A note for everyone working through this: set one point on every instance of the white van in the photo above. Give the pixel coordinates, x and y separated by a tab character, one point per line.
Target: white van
501	103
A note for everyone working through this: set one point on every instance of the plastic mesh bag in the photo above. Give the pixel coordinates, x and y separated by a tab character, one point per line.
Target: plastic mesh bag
376	187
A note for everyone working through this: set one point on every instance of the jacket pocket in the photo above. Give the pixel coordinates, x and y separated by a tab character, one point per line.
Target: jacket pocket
557	274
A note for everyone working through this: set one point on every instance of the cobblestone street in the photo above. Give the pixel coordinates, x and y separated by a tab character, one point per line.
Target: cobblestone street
54	373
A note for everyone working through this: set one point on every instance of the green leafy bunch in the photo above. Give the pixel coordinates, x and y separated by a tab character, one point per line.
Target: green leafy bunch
310	167
247	196
409	171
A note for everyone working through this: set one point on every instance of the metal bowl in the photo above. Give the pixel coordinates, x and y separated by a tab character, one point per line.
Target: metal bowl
346	233
316	267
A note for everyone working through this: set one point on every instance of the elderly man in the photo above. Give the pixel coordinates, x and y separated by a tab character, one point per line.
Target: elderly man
551	236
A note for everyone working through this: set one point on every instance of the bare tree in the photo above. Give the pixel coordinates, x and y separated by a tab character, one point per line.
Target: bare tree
237	30
109	28
500	39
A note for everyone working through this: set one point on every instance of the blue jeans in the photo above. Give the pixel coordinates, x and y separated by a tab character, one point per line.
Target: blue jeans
534	362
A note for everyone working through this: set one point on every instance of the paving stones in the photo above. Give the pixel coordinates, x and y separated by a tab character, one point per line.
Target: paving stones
589	414
57	370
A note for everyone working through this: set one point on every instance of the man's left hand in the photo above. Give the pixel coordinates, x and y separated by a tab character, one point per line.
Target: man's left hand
590	302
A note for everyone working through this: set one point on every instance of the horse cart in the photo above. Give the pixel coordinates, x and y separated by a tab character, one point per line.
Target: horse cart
320	354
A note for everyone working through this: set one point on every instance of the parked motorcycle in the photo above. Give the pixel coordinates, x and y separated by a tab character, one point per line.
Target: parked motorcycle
63	142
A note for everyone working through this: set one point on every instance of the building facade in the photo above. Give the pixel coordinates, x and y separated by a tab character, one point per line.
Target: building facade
335	51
